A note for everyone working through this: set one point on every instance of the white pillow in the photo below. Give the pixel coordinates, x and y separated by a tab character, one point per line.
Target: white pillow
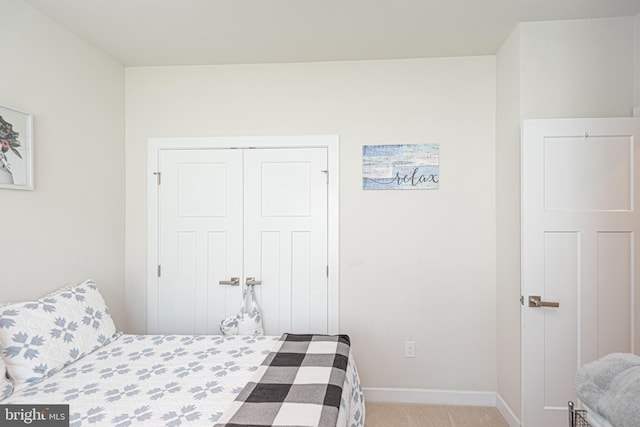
40	337
6	386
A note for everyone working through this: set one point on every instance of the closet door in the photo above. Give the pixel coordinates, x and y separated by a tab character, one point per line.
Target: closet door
242	213
200	239
285	236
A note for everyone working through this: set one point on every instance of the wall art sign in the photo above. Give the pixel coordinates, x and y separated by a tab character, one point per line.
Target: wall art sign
16	150
400	167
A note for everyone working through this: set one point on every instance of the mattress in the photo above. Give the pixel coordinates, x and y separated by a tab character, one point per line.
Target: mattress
166	380
595	419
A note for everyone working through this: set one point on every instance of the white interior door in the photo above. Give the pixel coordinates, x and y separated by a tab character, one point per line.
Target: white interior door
225	215
285	237
200	239
580	231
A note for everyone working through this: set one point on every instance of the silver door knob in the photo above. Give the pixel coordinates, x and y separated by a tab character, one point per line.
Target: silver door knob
235	281
535	301
251	281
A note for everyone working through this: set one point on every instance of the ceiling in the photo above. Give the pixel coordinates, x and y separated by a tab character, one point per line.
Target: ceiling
193	32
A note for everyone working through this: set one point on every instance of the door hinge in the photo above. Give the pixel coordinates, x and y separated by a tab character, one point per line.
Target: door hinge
327	271
159	271
521	299
157	174
327	173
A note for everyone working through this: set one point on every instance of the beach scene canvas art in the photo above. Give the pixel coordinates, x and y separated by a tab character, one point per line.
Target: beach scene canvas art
400	167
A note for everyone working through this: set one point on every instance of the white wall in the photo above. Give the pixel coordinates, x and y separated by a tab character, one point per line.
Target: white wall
577	68
71	227
508	220
636	66
414	264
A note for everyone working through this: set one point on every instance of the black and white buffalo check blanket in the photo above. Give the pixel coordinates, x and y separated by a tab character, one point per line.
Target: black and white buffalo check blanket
298	384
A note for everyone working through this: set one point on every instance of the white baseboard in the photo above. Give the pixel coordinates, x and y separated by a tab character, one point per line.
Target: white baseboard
443	397
430	397
506	412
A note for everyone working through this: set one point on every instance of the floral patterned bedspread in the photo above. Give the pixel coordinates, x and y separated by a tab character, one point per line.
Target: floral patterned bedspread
166	380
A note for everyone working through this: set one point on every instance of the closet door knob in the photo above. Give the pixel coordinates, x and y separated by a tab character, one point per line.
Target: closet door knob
251	281
235	281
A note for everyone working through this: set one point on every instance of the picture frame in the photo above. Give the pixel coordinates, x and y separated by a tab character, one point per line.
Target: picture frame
16	150
401	167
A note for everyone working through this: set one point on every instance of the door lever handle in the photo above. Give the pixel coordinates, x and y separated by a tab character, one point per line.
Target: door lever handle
535	301
251	281
235	281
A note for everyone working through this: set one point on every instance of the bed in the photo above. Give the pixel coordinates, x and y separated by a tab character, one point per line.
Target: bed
609	390
63	349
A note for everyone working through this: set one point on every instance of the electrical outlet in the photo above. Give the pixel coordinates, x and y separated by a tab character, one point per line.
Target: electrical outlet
409	349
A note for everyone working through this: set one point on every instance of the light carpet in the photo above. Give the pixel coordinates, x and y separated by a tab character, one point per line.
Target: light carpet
380	414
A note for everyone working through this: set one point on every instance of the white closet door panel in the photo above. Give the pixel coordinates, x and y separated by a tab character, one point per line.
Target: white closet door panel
181	297
301	280
285	189
580	173
200	238
559	332
195	180
271	271
285	236
615	291
222	301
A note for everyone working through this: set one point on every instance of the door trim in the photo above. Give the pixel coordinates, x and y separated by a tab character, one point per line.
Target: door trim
330	142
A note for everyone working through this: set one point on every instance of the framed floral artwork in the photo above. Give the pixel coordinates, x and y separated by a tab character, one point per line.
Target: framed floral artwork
16	150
